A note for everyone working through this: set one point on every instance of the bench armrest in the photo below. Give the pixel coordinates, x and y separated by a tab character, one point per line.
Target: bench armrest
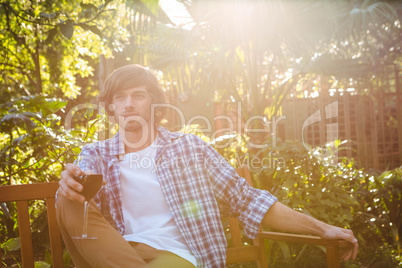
306	239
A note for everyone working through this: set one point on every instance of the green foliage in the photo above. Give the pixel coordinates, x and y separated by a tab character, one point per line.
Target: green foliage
32	139
41	55
9	247
310	185
378	219
34	148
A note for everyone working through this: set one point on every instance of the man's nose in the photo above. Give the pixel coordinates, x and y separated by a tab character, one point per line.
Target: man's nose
128	103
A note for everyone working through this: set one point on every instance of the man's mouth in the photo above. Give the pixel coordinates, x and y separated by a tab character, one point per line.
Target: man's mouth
129	115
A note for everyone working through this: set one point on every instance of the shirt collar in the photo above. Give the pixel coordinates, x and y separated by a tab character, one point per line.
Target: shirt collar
117	145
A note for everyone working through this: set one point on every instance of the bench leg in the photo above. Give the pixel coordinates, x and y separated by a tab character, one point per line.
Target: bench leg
333	258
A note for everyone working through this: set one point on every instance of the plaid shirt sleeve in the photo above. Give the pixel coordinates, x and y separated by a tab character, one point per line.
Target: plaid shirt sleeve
90	160
236	198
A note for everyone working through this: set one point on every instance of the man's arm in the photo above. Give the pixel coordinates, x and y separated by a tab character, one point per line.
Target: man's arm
283	218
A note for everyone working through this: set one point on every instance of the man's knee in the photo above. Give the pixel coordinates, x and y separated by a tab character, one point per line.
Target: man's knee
69	213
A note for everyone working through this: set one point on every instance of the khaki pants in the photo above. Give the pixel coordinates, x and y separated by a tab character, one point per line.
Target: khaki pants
110	249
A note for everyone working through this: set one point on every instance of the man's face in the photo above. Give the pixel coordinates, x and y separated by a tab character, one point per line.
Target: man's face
133	108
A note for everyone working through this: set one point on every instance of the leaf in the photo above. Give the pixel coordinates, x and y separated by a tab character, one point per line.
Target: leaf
28	122
29	12
47	15
15	119
42	264
12	244
285	249
87	13
51	35
107	2
66	258
151	5
88	113
89	6
92	28
11	162
67	29
48	257
56	104
18	140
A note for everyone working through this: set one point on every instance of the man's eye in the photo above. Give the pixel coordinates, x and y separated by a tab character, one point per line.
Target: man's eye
118	97
139	95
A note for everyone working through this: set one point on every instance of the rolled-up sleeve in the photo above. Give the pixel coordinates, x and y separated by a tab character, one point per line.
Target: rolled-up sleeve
249	205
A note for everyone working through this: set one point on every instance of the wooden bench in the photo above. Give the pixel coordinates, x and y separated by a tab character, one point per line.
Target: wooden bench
21	194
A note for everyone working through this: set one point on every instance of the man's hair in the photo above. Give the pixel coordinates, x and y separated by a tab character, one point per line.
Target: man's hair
132	76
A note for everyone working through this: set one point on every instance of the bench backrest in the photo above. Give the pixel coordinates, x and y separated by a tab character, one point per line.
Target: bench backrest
21	194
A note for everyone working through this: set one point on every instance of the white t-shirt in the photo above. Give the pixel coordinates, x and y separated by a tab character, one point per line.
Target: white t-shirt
147	217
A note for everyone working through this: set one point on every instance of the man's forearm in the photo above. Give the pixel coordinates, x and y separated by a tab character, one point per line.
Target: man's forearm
283	218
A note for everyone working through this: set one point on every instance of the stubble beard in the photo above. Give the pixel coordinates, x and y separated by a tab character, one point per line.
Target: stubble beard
137	124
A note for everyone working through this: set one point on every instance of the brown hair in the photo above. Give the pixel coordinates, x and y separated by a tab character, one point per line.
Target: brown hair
131	76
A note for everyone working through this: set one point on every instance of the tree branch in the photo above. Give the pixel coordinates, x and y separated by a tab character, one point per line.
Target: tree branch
28	168
8	6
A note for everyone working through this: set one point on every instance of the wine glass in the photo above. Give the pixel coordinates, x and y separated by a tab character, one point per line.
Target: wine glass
91	180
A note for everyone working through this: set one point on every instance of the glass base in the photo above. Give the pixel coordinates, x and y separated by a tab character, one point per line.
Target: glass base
84	237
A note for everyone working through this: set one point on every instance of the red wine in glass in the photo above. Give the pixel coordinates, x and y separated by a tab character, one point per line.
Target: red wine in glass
92	184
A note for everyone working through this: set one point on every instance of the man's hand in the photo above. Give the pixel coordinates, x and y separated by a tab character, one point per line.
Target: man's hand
333	232
69	187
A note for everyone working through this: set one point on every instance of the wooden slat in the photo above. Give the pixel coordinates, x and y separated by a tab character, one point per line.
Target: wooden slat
263	261
307	239
333	258
21	194
33	191
242	254
54	233
25	234
235	232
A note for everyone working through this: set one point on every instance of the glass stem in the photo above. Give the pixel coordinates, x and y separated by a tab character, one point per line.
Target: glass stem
85	227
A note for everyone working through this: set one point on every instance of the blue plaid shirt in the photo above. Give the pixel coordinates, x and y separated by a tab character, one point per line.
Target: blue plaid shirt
200	187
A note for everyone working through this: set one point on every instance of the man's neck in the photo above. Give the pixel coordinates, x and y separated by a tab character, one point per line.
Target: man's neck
135	141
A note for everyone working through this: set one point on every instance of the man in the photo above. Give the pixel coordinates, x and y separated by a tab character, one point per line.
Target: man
164	193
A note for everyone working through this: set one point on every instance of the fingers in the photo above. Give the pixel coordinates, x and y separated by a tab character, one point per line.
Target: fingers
74	170
68	186
349	236
351	251
355	250
346	254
